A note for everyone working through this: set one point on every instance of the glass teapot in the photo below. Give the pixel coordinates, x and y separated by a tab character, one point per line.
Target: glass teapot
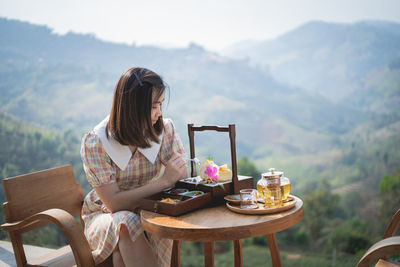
271	181
268	180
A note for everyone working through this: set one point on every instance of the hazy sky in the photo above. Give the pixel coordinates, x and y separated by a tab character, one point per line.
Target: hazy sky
214	24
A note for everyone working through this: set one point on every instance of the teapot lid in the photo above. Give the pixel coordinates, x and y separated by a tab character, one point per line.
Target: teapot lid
272	174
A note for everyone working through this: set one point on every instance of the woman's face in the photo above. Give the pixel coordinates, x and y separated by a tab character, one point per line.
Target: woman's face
156	108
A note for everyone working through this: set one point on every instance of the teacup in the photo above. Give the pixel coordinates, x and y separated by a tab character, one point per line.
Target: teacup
248	199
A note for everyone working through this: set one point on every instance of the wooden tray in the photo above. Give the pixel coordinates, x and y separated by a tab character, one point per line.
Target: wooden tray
261	209
186	204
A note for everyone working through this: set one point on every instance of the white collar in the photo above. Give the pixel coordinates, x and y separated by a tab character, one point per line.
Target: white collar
121	154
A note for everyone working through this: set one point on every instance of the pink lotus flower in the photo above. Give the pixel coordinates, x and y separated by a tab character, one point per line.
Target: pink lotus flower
211	173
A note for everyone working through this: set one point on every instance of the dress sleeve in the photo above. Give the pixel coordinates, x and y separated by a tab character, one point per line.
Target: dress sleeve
96	162
171	142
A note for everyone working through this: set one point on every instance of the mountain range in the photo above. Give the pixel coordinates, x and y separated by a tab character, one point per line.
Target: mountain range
303	102
331	59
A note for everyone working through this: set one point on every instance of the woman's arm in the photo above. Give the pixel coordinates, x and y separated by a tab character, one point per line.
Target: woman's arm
116	200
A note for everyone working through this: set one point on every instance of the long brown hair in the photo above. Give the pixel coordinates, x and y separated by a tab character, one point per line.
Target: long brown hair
130	116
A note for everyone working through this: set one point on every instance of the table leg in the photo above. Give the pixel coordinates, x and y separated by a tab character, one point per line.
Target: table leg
273	248
237	253
176	252
209	254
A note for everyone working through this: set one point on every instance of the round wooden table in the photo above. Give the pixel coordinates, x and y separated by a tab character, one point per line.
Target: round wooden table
220	224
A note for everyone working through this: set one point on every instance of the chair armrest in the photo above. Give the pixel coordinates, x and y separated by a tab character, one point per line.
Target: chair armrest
392	227
381	249
70	227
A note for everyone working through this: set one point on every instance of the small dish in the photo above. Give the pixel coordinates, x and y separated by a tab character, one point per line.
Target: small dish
234	199
170	200
177	191
193	193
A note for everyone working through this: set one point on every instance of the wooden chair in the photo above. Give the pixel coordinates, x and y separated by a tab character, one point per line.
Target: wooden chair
41	198
389	245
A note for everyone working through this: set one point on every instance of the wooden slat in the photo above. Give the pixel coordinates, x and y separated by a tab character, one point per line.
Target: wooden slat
384	263
176	251
35	192
393	225
209	254
18	248
237	253
273	248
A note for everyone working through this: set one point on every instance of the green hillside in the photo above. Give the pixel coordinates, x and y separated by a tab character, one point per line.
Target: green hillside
28	148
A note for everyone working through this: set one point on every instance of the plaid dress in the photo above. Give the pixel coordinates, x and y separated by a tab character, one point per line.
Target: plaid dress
102	229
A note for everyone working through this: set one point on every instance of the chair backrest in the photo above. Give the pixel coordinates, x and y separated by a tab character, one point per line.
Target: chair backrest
35	192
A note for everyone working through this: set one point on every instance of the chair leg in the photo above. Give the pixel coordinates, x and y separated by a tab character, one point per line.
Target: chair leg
176	252
18	248
237	253
209	254
273	248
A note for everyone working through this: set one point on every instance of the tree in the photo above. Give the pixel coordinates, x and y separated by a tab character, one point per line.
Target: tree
248	168
320	206
389	192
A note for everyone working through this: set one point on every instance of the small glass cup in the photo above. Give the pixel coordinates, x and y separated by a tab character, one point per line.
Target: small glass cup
285	188
272	196
248	199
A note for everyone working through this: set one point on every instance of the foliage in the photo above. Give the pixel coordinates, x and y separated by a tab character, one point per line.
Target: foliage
260	256
389	183
248	168
348	236
48	236
389	192
320	205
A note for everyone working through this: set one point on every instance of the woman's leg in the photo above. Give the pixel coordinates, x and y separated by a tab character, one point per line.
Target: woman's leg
137	253
117	258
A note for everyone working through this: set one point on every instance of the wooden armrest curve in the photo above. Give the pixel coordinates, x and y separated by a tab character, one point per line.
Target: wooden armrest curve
70	227
52	215
381	249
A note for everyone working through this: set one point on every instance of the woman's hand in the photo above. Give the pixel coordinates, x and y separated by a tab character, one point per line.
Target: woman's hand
115	200
175	170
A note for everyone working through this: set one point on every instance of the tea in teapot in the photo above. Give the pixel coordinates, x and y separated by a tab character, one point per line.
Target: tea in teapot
273	187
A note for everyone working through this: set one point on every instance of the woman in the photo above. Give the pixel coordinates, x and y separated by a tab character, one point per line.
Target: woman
121	156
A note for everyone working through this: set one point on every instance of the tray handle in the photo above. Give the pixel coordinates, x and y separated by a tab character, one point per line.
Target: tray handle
232	136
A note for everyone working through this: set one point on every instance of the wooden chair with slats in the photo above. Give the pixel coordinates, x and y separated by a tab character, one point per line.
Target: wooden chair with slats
389	245
40	198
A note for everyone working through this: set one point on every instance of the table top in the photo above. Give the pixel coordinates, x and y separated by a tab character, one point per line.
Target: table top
219	223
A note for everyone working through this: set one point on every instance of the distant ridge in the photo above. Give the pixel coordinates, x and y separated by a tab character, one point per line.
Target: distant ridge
192	71
327	58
